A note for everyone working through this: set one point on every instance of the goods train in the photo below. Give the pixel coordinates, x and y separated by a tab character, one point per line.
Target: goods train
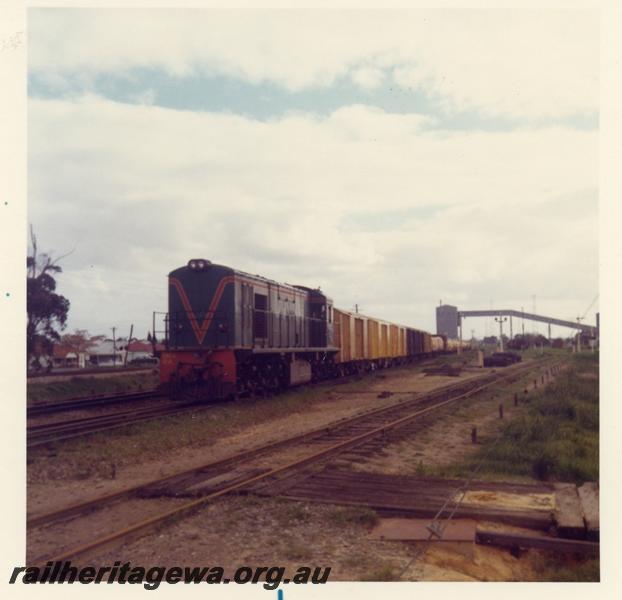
229	332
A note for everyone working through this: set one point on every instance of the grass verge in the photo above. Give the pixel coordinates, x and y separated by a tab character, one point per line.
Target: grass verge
80	386
556	438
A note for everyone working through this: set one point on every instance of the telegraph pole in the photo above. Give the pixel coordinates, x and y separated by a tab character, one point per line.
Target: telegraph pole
579	335
533	297
522	309
500	320
114	347
127	348
460	326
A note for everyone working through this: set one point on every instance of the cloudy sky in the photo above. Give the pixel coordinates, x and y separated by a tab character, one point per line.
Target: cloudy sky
394	158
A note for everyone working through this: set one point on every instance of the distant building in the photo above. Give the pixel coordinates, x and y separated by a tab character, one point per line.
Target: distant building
98	352
64	356
105	353
141	351
447	320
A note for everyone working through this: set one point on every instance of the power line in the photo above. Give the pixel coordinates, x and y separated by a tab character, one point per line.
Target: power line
590	306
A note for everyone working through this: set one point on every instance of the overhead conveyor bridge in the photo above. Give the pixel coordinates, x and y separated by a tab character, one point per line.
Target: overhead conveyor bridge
462	314
449	319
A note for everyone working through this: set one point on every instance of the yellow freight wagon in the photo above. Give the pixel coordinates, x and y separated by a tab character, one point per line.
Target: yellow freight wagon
373	337
341	335
359	339
384	340
427	343
393	341
362	339
402	342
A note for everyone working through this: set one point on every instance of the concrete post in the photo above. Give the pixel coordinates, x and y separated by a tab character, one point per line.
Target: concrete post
579	335
460	327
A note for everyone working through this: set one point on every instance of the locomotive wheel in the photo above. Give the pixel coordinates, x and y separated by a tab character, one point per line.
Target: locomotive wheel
177	389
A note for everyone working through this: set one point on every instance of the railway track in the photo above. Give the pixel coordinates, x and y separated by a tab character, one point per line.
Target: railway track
49	408
264	466
92	372
42	434
46	433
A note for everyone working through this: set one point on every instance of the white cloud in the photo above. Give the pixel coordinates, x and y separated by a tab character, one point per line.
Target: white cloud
368	77
527	64
140	189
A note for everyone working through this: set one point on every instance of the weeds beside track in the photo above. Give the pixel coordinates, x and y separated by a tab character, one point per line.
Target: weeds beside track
343	436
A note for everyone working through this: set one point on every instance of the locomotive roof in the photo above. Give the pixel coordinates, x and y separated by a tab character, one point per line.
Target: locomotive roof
299	288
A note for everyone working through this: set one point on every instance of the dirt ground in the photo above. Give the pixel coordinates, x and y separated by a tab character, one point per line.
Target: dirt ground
447	440
267	531
92	467
248	530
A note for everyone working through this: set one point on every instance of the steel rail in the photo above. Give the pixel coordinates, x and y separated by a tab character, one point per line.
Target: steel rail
252	452
132	531
69	372
39	435
48	408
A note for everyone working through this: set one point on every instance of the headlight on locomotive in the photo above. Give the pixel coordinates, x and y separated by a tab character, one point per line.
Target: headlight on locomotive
198	264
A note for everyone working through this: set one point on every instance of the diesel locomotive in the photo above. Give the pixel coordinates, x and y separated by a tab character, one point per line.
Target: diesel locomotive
230	332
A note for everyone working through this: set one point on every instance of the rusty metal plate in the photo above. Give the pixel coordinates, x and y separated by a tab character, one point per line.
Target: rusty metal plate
508	501
456	530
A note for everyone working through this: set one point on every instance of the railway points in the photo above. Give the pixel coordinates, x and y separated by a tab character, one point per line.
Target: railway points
325	444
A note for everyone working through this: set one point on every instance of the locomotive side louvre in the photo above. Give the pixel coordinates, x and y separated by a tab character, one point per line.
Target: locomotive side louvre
261	314
273	316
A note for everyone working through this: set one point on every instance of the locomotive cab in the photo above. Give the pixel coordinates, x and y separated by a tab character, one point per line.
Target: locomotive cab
318	315
320	318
